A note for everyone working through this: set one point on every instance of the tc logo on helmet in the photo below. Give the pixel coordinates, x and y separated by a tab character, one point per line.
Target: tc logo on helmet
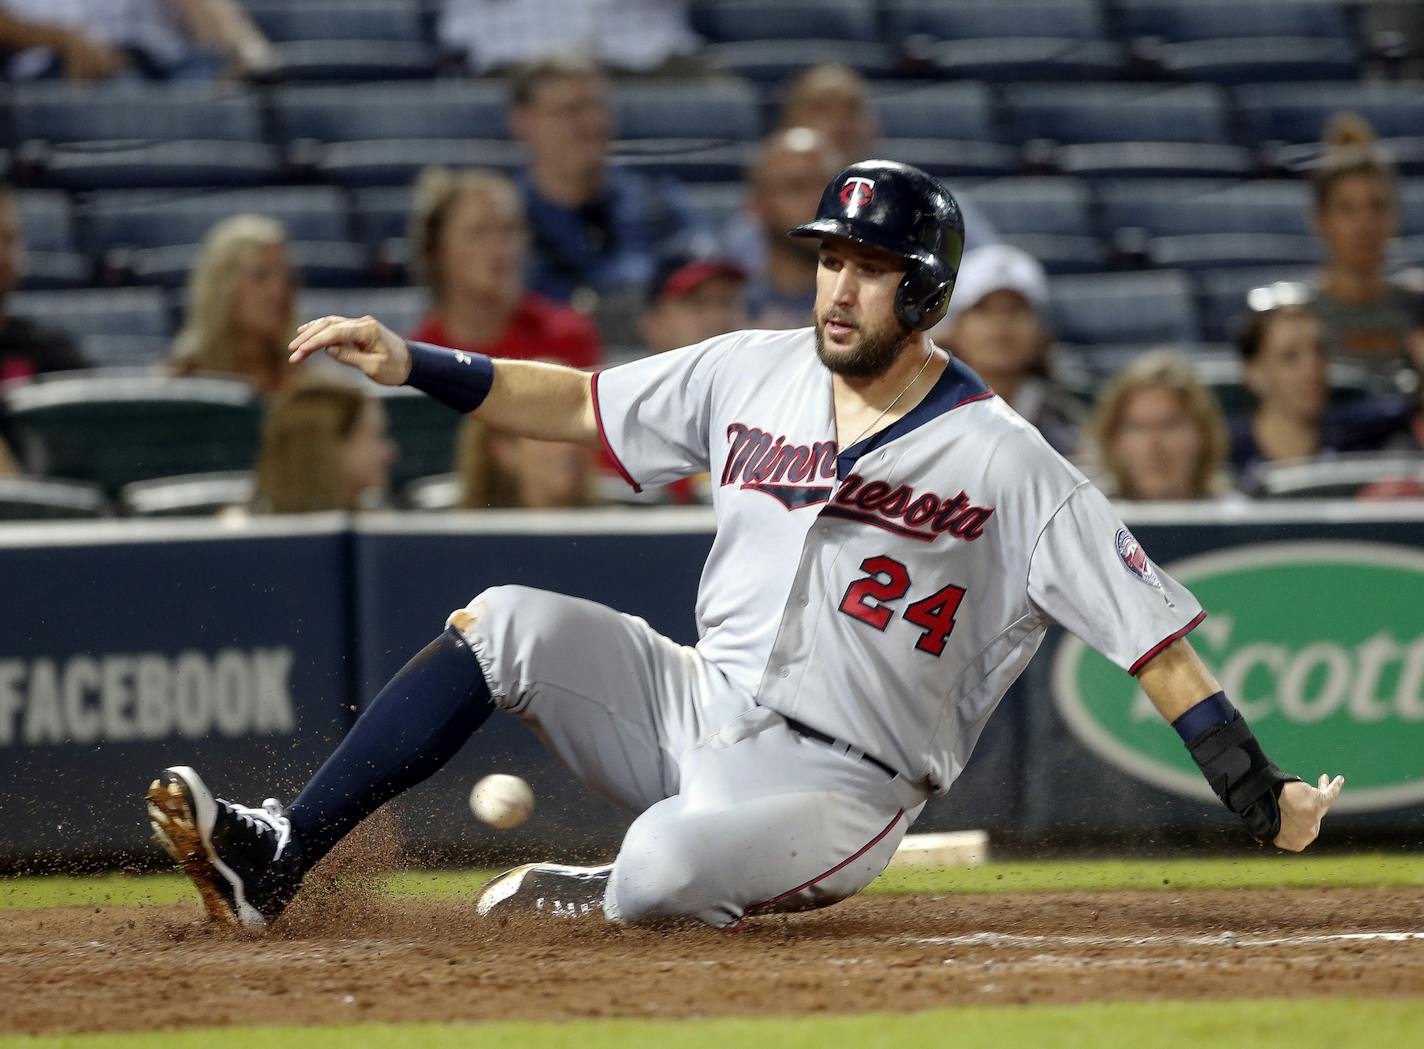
857	192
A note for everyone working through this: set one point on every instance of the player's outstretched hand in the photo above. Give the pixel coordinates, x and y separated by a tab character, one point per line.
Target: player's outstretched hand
363	343
1302	808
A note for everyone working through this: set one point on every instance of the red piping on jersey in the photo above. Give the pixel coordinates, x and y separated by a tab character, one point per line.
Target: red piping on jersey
807	884
970	400
602	436
1167	641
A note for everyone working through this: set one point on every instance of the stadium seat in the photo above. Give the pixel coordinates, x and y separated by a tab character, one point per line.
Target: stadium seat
1050	218
773	61
685	159
37	499
1103	308
953	158
141	219
1223	294
320	263
423	429
791	20
391	162
1019	59
1124	129
97	311
191	495
720	203
382	214
1209	251
996	19
1220	372
1185	207
354	61
399	309
1339	477
443	109
1244	61
700	132
947	129
392	20
1296	115
151	426
51	256
441	492
1411	207
1225	19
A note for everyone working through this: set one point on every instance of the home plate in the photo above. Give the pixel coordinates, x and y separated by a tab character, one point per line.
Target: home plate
961	848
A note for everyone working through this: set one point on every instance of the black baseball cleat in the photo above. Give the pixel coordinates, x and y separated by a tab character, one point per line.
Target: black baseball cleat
544	890
244	861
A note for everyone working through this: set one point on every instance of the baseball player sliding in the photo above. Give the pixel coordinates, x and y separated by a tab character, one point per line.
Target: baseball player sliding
892	542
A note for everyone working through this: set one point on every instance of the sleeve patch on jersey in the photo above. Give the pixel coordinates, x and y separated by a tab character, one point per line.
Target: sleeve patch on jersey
1134	559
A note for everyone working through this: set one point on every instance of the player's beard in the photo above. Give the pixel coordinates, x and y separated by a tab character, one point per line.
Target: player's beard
873	354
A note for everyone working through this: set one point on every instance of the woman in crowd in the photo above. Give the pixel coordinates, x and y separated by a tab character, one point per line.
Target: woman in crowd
241	307
1365	316
1158	433
996	325
468	242
1283	363
499	471
325	446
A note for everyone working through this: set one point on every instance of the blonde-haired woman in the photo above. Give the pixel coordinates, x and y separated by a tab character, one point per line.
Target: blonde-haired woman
325	446
1158	432
1366	316
468	243
498	471
241	305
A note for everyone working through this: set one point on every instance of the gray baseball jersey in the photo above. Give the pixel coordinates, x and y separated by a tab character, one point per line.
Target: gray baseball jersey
889	593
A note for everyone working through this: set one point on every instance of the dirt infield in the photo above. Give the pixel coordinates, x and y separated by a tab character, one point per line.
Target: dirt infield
100	969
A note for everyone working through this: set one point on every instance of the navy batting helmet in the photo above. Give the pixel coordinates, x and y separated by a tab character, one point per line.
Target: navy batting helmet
907	212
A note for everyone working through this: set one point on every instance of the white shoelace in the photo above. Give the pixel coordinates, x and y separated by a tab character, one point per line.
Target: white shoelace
269	817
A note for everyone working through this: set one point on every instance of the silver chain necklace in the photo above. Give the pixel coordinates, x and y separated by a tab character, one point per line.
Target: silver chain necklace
928	354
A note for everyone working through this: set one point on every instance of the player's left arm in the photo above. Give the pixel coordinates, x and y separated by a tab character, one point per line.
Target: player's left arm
1274	806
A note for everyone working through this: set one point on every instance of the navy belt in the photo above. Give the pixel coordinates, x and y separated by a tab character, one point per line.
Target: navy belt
803	729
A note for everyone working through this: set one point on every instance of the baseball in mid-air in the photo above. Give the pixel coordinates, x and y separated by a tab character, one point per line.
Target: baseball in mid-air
501	801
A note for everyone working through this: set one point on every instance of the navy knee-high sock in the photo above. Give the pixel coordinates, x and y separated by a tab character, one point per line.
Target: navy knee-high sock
413	727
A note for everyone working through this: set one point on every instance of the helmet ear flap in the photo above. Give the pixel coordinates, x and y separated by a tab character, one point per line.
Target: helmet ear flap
922	297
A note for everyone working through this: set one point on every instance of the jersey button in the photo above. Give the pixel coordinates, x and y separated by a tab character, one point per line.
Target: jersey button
803	600
783	672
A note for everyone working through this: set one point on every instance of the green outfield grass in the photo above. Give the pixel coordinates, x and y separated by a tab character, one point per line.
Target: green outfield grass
1365	870
1331	1023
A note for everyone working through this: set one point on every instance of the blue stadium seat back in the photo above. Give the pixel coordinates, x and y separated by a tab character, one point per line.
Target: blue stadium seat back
1103	308
191	495
1197	252
1204	206
391	162
1411	207
1020	59
139	219
1223	294
47	220
735	20
190	164
681	109
1047	205
1245	61
1405	253
688	160
1154	159
996	19
720	203
1222	19
1298	112
57	269
771	62
391	20
153	425
1063	253
951	158
1119	112
382	213
319	264
46	499
399	309
440	109
929	110
97	311
66	112
126	351
354	61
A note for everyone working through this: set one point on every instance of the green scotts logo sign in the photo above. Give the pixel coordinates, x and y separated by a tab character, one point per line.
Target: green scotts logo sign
1321	647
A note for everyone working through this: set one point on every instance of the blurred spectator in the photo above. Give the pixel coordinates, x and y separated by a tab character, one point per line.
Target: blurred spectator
241	305
500	471
596	229
1284	366
783	188
1409	435
638	36
26	348
154	39
996	325
468	242
695	294
835	100
325	446
1158	433
1366	316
